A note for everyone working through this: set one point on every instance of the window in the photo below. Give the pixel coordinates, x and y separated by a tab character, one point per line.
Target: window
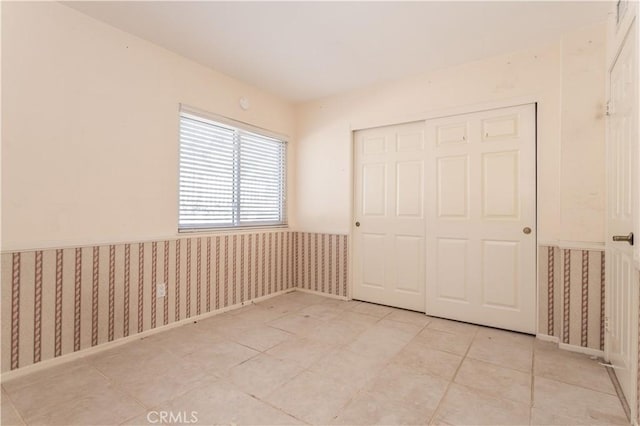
230	175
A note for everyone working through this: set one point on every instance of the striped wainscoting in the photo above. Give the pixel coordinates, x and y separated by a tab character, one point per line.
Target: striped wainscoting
321	262
549	306
58	301
571	298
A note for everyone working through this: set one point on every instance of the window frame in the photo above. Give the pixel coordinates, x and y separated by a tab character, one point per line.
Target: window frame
239	128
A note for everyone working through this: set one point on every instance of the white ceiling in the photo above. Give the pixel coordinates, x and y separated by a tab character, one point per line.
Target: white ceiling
306	50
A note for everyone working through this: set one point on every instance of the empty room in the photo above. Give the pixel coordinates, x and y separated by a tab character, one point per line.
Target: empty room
354	213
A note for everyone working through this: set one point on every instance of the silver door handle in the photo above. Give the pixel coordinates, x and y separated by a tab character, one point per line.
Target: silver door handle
627	238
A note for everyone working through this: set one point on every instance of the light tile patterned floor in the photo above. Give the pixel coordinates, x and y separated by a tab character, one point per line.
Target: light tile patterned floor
305	359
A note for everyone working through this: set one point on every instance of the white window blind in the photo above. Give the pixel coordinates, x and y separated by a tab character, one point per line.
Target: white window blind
229	176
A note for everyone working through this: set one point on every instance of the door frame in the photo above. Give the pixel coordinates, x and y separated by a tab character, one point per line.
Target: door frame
430	115
619	31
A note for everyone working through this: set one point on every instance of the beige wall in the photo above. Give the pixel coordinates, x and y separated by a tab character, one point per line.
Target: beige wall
90	128
567	81
582	150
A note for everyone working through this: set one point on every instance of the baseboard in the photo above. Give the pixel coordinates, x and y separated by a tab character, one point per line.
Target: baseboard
582	350
571	348
14	374
547	338
319	293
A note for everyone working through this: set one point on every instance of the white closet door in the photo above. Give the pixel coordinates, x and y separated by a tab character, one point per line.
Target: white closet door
622	189
481	218
389	253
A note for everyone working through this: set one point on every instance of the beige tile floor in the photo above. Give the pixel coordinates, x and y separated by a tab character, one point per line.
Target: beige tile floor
305	359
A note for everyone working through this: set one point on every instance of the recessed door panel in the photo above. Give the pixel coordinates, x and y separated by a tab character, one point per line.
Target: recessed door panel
410	142
452	269
373	146
409	253
409	188
500	278
500	128
374	189
452	134
500	174
373	256
452	188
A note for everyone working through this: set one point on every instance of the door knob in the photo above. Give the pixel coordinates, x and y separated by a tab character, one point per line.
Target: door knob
357	223
627	238
526	230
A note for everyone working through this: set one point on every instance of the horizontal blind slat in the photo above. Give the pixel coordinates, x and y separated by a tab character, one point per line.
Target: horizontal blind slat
261	185
229	177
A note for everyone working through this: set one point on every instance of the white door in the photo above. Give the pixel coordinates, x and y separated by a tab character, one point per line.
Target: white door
622	143
389	213
481	218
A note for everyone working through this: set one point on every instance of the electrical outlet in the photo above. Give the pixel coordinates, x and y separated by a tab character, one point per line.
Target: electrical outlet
162	290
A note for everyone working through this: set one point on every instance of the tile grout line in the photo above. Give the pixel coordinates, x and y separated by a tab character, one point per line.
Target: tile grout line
264	401
157	407
277	408
446	392
358	391
506	367
382	367
110	381
208	375
78	361
119	388
564	382
225	379
15	408
559	380
307	369
532	399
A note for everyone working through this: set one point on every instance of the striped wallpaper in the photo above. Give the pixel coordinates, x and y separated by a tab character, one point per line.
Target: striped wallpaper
571	299
321	262
58	301
571	296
